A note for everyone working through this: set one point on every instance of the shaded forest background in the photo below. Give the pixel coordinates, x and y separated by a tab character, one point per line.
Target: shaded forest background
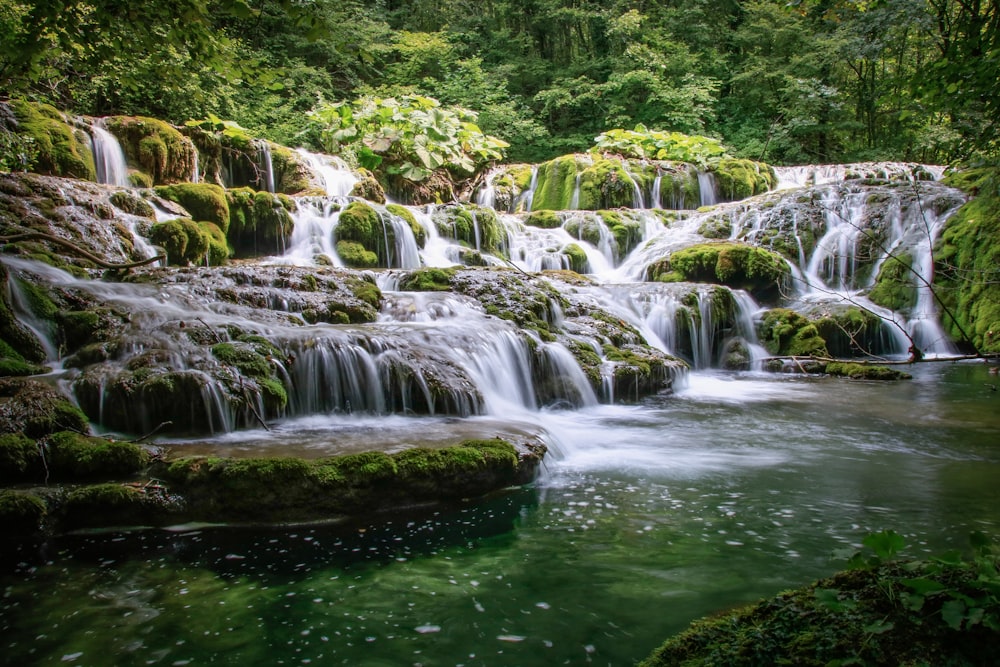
785	82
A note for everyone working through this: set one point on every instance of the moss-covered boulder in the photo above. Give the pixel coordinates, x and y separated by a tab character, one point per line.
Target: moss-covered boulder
966	258
735	265
856	371
361	236
188	242
21	514
36	409
158	148
58	148
787	333
20	349
132	203
853	331
419	233
738	179
107	505
206	202
895	286
474	227
291	488
430	279
260	223
913	613
368	187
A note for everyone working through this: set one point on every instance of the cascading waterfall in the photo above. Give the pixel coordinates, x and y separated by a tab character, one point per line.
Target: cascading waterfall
109	158
265	165
330	173
524	200
707	188
655	199
574	202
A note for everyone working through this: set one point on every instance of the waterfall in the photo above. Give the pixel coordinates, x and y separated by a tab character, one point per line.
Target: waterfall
195	169
265	165
707	188
109	158
574	202
312	235
524	200
329	172
656	191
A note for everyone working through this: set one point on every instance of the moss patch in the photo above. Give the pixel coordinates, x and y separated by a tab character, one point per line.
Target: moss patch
739	179
788	334
161	151
427	280
865	371
60	149
735	265
21	514
204	201
894	287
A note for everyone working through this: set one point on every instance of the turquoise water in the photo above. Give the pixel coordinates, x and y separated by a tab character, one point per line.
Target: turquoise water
646	518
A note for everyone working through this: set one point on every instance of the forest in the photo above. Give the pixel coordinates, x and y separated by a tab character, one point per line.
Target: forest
806	81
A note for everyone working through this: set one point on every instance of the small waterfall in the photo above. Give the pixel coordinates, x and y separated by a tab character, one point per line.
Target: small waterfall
404	252
656	191
707	188
637	199
265	165
195	169
574	201
330	173
525	199
312	235
486	196
21	305
109	158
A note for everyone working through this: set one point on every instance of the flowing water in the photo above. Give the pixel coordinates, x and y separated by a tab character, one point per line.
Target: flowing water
646	517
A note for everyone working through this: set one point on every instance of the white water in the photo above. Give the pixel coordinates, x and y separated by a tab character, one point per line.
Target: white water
331	174
706	188
265	165
109	158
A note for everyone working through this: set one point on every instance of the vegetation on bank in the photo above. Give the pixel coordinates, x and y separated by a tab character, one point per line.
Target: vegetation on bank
880	611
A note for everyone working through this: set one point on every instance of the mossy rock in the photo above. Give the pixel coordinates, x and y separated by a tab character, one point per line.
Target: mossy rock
36	410
291	175
419	233
260	223
18	345
105	505
288	488
159	149
218	251
20	458
738	179
60	149
132	204
625	227
605	184
965	261
467	223
185	241
578	261
735	265
85	327
368	187
427	280
355	255
854	332
787	333
244	357
21	514
865	371
73	456
543	219
204	201
555	184
857	617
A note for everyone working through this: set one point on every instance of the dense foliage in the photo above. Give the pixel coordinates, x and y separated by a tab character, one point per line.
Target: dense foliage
801	81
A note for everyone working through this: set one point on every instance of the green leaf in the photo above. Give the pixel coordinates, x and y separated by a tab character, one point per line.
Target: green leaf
952	558
879	627
953	613
885	543
922	586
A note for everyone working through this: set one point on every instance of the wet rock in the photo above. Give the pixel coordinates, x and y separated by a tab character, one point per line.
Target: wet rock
37	409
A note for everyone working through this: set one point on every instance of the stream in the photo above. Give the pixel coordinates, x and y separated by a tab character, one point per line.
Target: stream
646	517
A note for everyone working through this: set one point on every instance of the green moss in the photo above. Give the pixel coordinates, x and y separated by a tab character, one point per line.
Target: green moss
787	333
273	393
259	222
104	505
865	371
74	456
244	358
543	219
368	187
966	260
626	229
355	255
605	184
39	301
83	327
20	458
427	280
852	331
556	181
736	265
132	203
419	233
894	287
60	150
185	241
739	179
462	222
291	175
21	514
159	149
577	258
204	201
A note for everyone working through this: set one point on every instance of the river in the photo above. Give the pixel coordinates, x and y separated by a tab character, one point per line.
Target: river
646	517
